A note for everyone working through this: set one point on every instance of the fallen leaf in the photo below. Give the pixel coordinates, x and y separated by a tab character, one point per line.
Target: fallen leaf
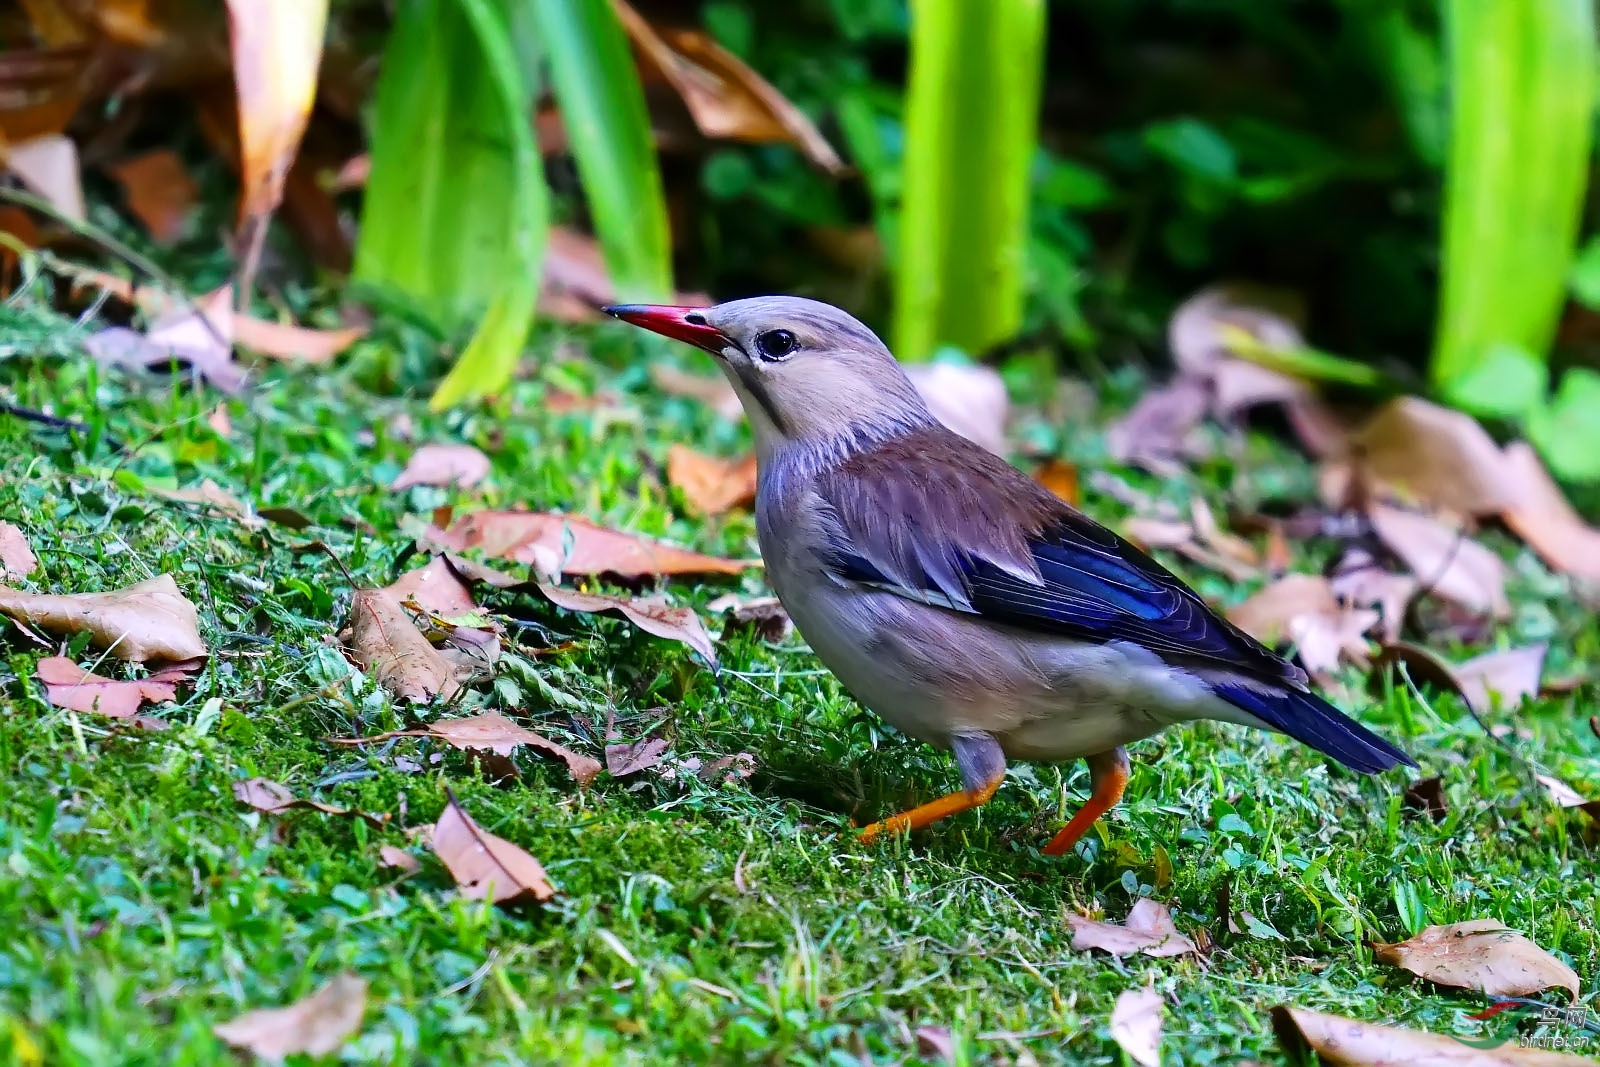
726	98
1541	516
710	390
576	284
385	642
570	545
1433	456
1301	609
1427	796
709	484
200	337
68	685
151	620
1512	675
277	48
1061	478
1208	532
48	165
492	732
1136	1025
1359	582
1481	954
1445	561
1342	1042
462	466
274	798
630	757
437	587
399	858
211	496
486	867
970	400
1149	930
159	192
286	341
1568	797
765	616
220	421
315	1025
936	1043
1156	431
653	615
16	555
1202	331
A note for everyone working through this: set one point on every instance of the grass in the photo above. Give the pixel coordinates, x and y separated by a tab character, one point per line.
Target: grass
695	923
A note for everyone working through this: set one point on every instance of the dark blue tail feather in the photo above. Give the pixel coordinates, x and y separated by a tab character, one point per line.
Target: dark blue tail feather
1311	720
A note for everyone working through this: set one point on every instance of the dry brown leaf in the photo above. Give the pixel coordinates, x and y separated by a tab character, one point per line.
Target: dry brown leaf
970	400
1149	930
1541	516
152	620
200	337
709	484
315	1025
399	858
765	616
1427	796
1061	478
936	1043
1208	532
462	466
726	98
385	642
486	867
1568	797
1480	954
1342	1042
437	588
159	191
1156	431
286	341
1202	329
16	555
1444	560
68	685
1511	675
492	732
1136	1025
653	615
48	165
274	798
630	757
1434	456
211	496
712	390
1361	583
1302	610
277	48
566	544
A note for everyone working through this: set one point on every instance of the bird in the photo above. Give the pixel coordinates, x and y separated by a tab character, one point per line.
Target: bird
958	599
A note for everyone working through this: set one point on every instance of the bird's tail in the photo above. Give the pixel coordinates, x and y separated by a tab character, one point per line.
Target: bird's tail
1311	720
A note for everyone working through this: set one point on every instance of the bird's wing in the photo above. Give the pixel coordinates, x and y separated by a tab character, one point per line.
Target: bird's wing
936	519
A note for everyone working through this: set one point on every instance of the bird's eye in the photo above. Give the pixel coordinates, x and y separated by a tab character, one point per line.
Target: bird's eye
776	344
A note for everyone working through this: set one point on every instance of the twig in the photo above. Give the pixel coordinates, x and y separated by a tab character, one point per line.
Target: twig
57	422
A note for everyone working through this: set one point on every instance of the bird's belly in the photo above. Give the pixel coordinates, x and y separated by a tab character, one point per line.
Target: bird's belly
932	673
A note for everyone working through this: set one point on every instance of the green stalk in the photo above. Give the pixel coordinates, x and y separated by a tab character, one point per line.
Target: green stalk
971	130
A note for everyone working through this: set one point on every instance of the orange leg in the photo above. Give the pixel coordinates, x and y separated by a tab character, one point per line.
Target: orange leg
1108	777
934	810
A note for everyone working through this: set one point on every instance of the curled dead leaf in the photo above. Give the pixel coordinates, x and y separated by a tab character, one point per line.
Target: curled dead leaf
1149	929
1541	516
159	192
1510	676
624	757
274	798
1158	431
1302	610
565	544
68	685
653	615
1342	1042
1136	1025
1445	561
492	732
385	642
437	587
16	555
1426	795
1433	456
213	498
399	858
1481	954
486	867
726	98
765	616
709	484
315	1025
199	337
461	466
151	620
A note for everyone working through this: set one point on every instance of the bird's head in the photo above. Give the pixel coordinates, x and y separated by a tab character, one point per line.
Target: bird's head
804	370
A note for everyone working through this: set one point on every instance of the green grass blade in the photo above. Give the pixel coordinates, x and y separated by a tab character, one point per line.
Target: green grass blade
971	118
489	359
603	107
1523	91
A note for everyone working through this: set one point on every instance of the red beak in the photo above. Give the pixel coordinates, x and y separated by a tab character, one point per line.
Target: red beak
678	323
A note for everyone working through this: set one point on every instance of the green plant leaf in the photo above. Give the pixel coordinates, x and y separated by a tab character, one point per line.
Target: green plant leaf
971	117
1508	381
1585	279
603	109
1567	430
